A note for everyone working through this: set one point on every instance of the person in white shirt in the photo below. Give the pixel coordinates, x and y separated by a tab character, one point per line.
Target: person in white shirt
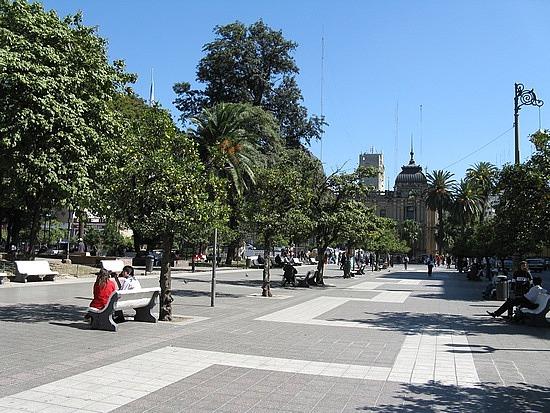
528	300
127	279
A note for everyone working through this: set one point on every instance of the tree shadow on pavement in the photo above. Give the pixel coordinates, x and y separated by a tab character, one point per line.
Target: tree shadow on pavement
194	293
436	397
35	313
413	323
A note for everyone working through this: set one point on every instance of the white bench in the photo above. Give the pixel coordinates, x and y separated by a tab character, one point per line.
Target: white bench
255	262
37	268
142	300
111	266
296	261
2	276
538	314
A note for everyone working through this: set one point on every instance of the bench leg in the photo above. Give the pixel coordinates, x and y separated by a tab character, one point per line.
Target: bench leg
103	321
145	314
20	278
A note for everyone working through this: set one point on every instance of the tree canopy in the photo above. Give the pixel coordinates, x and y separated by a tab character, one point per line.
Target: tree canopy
55	87
251	64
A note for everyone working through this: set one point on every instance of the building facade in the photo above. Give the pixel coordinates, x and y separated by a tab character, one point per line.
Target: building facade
407	202
375	160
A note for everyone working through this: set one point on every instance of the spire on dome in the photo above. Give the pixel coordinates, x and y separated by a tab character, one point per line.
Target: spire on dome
411	162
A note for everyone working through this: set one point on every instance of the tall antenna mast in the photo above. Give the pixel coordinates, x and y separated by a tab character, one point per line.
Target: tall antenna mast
322	84
396	143
152	90
421	133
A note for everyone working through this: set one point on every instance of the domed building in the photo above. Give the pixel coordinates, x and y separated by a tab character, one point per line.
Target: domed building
406	201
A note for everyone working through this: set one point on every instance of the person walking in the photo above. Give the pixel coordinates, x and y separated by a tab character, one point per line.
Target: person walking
406	261
430	265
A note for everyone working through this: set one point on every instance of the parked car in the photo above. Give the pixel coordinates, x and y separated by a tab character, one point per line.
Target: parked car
535	264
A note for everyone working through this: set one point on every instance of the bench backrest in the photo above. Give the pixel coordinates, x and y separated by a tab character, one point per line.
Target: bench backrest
543	300
137	298
38	267
112	265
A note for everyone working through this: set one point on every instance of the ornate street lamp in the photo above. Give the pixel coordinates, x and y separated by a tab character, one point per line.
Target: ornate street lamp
522	97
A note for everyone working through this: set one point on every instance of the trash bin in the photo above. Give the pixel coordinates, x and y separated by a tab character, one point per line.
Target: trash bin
502	288
149	262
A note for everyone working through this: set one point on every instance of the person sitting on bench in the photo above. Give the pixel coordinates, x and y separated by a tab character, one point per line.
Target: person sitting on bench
289	274
103	288
527	300
128	281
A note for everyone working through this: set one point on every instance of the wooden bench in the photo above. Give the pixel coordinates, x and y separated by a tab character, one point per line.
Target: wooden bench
112	266
142	300
538	314
2	276
38	268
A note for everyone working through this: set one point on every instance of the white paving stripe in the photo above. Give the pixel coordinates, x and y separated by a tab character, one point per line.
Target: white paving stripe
306	312
422	359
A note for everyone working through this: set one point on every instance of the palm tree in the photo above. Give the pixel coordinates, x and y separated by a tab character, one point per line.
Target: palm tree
233	139
439	197
225	146
467	205
483	177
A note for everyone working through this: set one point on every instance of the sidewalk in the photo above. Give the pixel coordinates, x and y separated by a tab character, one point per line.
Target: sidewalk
384	342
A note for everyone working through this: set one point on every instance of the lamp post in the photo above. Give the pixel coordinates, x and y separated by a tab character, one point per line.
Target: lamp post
522	97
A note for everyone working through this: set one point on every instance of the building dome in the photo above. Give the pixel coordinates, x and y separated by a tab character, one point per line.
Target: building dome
411	174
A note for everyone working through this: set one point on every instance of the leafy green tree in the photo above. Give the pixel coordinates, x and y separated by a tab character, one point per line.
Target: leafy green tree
438	198
410	232
158	185
277	209
523	202
55	88
333	211
251	64
385	239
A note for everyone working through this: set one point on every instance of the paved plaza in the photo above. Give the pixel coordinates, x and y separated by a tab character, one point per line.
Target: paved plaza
387	341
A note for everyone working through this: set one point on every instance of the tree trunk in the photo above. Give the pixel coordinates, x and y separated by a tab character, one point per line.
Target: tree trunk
319	279
137	240
231	248
266	285
35	228
441	236
166	279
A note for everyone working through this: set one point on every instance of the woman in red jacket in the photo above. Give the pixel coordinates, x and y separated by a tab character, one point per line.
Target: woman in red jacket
103	288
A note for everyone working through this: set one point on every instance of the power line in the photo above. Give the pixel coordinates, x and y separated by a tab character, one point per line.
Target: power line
480	148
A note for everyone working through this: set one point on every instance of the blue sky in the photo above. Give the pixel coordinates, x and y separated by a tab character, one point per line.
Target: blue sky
458	59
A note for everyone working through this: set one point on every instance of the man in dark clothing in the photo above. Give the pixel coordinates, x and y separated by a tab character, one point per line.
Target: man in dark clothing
521	280
526	300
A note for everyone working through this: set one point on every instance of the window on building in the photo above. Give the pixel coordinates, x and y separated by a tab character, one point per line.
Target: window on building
410	212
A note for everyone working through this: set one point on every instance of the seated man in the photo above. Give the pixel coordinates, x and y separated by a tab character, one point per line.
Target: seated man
289	275
527	300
